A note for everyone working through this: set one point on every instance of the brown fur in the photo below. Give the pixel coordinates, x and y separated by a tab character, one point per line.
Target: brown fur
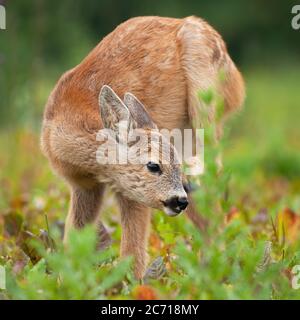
163	62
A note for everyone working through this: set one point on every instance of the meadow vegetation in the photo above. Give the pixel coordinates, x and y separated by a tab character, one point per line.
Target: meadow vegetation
247	251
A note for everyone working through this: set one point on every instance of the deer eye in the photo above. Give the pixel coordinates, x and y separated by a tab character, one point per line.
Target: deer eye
153	167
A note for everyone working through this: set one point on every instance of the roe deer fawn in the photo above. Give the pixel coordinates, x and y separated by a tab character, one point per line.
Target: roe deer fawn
163	62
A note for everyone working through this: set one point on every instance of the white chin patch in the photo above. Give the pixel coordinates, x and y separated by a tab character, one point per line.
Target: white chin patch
170	212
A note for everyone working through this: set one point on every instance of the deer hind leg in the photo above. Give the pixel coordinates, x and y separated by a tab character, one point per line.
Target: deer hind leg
191	211
135	220
84	208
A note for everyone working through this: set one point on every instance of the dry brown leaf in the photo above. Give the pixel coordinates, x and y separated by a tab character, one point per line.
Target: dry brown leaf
288	225
144	292
233	214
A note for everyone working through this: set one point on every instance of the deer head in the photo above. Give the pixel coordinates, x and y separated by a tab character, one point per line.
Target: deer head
150	172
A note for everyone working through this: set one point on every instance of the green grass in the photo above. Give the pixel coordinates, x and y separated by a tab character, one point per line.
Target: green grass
253	208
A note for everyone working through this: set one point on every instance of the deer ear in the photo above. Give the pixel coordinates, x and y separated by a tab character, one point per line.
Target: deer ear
112	109
138	112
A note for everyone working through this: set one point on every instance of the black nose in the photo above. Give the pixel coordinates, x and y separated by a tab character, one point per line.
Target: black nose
177	202
182	202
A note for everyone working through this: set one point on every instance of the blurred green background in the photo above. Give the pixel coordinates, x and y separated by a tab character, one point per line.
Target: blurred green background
45	38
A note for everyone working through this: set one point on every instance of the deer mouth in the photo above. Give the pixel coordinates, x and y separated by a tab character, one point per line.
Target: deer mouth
172	212
175	205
